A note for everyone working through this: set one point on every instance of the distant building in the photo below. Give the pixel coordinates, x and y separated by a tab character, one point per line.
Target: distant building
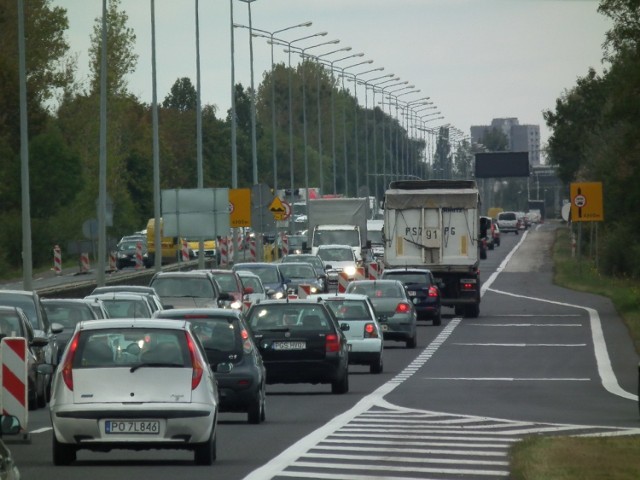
520	138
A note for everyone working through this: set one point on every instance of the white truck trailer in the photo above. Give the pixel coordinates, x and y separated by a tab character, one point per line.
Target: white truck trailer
338	221
434	224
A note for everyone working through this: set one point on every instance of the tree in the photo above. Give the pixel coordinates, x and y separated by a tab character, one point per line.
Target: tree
120	57
495	140
183	96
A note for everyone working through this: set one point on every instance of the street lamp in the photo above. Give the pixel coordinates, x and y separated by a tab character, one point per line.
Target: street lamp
355	115
344	127
333	123
384	167
288	45
320	165
271	36
254	148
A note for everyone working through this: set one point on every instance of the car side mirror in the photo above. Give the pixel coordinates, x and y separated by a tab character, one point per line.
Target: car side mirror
9	425
328	267
56	328
39	342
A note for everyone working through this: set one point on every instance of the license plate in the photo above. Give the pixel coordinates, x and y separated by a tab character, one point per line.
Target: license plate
146	427
384	327
411	293
289	345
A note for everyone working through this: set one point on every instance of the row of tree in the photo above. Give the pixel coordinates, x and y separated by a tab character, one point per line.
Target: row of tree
596	136
64	146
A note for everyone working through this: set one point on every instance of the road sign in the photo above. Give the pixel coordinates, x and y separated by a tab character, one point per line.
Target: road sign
240	207
280	210
586	202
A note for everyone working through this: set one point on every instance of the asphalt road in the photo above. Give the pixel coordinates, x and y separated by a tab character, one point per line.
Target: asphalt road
539	360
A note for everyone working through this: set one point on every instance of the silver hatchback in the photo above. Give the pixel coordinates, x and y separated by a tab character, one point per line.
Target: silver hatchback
135	384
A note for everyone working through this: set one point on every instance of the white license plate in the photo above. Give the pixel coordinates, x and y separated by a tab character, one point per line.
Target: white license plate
384	327
289	345
411	293
146	427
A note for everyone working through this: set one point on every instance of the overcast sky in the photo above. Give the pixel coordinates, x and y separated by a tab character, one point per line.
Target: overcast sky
476	59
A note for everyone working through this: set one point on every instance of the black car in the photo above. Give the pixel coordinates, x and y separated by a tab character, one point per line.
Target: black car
30	303
193	289
233	357
272	278
422	290
302	274
300	342
126	253
314	260
14	323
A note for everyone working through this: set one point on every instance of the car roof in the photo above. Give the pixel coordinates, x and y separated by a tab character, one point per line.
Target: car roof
132	323
247	273
26	293
383	281
323	247
341	296
190	273
256	264
408	270
125	288
118	296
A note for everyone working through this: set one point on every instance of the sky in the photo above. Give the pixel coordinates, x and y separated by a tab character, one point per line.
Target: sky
476	59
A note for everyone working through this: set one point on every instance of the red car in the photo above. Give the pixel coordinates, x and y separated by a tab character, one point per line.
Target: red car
230	283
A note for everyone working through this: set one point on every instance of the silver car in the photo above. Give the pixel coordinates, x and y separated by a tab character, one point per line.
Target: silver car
136	384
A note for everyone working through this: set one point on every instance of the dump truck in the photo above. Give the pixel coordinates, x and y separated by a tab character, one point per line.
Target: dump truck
435	224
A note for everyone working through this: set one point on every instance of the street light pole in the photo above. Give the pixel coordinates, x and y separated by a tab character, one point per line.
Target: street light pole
384	167
254	147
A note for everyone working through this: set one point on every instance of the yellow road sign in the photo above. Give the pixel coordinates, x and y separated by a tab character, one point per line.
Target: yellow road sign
279	209
586	202
239	207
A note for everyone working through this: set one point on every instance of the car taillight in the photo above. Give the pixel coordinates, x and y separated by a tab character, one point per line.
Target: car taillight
433	291
246	343
196	362
332	343
403	308
67	368
370	331
468	284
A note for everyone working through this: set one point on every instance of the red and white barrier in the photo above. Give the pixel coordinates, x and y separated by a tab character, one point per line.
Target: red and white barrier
57	260
252	250
375	270
185	251
85	266
15	395
231	245
224	253
112	262
139	263
360	274
304	291
285	244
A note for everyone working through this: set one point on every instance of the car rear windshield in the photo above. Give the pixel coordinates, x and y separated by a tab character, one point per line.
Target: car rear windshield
199	287
221	339
375	289
507	216
290	317
130	347
408	277
350	309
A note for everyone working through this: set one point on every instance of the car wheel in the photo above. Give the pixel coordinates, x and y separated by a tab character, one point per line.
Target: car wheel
341	386
472	311
255	413
205	453
412	342
377	365
437	320
63	454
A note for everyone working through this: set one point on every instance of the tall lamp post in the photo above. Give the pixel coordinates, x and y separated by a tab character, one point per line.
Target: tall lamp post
355	115
320	161
384	167
254	147
344	126
400	127
333	123
271	36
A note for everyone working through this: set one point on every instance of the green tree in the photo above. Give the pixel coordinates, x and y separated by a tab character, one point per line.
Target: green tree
495	140
183	96
121	60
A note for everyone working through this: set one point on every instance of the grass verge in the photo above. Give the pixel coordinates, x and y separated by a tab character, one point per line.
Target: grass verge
571	458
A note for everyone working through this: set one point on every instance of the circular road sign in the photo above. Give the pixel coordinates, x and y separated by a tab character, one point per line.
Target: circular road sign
580	201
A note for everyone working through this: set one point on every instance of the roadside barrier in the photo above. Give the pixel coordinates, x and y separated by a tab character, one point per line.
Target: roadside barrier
15	396
224	254
252	250
231	248
304	291
343	281
57	260
185	251
285	244
374	270
112	262
139	263
85	266
360	274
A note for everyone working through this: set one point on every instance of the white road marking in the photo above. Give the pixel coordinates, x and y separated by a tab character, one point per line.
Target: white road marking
523	324
521	344
41	430
510	379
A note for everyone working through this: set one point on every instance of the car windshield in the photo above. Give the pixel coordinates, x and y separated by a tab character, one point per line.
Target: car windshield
339	237
297	270
288	316
131	347
68	314
507	216
25	303
266	274
199	287
375	289
10	324
336	254
409	277
130	246
254	283
226	281
349	309
312	259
